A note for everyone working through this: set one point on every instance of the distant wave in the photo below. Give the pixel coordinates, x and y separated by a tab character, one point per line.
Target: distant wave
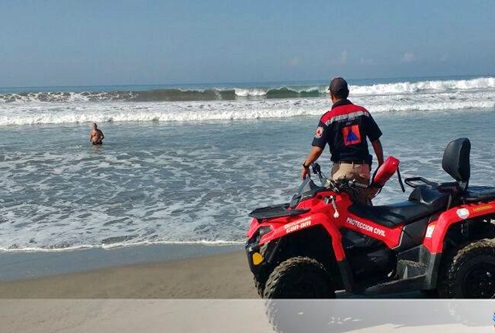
229	94
168	105
425	87
159	95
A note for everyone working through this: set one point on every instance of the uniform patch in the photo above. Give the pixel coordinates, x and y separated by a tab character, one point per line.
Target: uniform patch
351	135
319	132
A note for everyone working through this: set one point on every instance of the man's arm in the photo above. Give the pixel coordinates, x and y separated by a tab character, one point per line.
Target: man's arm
377	147
313	155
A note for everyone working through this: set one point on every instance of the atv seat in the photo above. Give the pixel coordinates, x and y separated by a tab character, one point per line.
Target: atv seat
456	163
422	202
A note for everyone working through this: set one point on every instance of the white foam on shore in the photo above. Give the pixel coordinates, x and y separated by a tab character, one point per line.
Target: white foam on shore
215	243
174	188
222	111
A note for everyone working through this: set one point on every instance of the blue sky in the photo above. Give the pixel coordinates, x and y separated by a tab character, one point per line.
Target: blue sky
100	42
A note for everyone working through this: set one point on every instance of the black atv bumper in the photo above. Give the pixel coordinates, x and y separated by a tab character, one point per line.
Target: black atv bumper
260	257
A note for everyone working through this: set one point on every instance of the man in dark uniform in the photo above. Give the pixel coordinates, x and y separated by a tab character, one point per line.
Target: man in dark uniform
345	128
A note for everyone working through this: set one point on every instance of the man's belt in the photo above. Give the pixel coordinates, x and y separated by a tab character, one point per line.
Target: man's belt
354	162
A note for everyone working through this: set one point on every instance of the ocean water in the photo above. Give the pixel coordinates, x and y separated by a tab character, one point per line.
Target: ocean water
187	164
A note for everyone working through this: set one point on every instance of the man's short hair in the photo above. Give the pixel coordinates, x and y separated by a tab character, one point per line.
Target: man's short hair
339	88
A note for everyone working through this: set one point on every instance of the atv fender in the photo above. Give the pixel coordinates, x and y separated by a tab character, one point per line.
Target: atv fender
311	221
436	232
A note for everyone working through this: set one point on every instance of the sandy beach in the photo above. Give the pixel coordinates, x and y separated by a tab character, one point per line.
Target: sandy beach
207	293
215	276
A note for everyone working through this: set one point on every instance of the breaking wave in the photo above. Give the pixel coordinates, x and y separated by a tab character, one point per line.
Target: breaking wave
160	95
168	105
229	94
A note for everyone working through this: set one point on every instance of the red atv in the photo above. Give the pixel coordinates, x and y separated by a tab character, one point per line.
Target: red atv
440	240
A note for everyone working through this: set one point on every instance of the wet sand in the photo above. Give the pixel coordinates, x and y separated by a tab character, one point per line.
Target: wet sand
217	276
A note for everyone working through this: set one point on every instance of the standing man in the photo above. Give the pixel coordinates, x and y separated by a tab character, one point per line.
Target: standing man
345	128
96	136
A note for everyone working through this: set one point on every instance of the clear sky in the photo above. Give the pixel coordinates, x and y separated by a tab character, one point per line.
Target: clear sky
100	42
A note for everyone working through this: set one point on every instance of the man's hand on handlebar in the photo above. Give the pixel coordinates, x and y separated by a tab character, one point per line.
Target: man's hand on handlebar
305	172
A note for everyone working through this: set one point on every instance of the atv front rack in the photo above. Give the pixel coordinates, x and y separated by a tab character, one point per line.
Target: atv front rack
275	211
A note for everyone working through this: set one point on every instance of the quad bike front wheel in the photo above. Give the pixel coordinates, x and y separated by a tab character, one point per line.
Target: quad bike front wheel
470	273
299	277
259	285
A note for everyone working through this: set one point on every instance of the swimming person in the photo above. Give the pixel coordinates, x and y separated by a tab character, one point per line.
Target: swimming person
96	136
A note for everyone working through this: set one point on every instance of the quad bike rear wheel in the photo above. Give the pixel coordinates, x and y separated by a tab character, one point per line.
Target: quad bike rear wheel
470	273
299	277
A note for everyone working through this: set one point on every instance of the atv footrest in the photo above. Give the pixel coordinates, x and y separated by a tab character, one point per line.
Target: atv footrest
398	286
407	269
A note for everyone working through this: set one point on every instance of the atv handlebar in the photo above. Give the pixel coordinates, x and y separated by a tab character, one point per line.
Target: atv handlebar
353	182
349	184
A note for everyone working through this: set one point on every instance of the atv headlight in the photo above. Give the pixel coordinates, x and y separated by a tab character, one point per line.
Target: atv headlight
253	243
264	230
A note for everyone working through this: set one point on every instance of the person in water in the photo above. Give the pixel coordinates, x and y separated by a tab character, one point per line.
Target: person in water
345	129
96	136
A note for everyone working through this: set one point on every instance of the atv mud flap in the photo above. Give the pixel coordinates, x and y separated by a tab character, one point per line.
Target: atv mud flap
347	276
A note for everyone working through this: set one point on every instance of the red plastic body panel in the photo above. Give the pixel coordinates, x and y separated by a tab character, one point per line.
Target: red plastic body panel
437	230
322	214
